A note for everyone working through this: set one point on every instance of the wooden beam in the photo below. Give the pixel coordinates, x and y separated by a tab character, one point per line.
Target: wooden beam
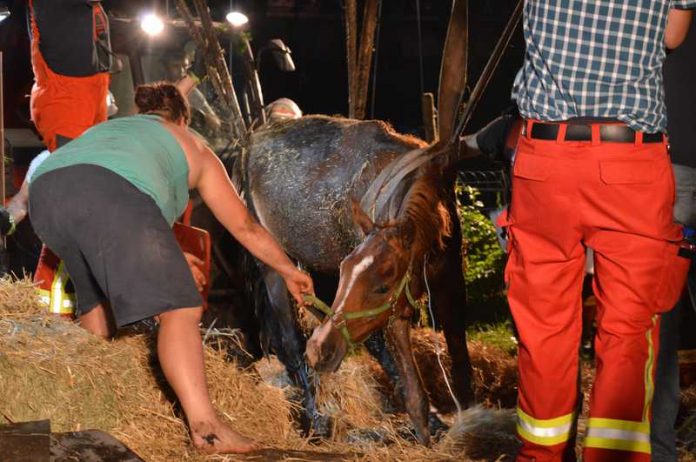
454	69
367	48
351	54
429	120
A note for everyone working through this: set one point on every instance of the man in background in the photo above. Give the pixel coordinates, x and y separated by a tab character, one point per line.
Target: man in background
680	96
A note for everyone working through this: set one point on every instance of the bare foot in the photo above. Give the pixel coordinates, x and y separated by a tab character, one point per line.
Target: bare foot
218	438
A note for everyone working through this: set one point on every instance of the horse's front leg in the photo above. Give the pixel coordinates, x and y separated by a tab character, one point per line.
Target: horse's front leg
281	332
415	399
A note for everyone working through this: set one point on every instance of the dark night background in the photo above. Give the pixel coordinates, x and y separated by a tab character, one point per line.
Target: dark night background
315	32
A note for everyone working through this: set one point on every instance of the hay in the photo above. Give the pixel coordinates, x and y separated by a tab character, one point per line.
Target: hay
52	369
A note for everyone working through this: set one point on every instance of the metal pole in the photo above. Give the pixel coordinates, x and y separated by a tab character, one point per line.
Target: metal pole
489	70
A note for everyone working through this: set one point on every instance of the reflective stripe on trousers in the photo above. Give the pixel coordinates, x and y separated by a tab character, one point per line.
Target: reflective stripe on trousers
57	300
619	435
544	432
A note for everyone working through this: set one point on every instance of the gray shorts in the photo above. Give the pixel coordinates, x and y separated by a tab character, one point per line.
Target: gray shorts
115	243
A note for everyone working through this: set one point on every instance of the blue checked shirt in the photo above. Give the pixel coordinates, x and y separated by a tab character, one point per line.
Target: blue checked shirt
595	58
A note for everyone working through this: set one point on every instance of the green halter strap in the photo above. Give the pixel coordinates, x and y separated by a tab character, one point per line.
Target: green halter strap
339	319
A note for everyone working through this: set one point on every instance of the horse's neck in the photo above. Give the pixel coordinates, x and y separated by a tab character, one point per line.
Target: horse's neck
381	191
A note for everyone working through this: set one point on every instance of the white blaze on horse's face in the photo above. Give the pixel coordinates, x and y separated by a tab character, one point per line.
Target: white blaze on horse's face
355	273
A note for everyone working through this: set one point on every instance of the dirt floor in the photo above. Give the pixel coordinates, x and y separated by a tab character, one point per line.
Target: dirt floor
52	369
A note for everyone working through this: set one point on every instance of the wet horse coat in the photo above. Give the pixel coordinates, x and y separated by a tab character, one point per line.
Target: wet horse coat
299	178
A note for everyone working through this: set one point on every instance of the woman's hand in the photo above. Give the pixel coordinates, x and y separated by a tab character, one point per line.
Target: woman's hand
299	284
195	264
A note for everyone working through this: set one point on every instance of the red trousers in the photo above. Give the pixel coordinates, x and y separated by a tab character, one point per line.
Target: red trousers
617	199
64	105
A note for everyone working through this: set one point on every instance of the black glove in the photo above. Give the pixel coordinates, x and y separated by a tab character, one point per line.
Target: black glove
197	71
7	224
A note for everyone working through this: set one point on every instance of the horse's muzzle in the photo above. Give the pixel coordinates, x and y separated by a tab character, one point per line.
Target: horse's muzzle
326	348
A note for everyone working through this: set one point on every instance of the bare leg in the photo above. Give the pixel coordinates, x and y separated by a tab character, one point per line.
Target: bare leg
97	322
180	352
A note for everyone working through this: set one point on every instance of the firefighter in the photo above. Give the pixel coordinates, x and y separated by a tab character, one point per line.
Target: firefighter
71	58
592	170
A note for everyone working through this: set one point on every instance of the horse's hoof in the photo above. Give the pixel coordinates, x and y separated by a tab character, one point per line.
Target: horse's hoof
320	428
436	426
409	433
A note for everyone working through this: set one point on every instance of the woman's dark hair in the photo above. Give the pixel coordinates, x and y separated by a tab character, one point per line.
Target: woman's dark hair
162	98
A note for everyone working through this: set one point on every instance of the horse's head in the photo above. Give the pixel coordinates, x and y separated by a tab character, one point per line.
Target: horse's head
376	278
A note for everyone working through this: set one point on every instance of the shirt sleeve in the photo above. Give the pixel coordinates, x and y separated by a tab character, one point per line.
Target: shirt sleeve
35	164
683	4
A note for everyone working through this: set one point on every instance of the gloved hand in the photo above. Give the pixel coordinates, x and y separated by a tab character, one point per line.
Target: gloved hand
7	223
197	71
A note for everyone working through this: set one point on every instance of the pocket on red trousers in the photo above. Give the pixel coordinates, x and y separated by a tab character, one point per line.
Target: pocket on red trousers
672	278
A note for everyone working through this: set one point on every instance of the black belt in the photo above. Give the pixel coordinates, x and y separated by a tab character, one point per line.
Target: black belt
610	133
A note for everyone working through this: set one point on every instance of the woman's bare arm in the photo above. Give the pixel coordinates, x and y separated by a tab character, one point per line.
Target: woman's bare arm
219	194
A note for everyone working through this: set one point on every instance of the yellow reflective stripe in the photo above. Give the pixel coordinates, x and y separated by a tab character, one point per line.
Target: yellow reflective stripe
546	432
627	425
44	297
542	440
545	423
620	435
60	302
614	434
649	383
618	445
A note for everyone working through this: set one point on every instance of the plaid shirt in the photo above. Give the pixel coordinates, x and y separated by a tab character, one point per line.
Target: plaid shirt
595	58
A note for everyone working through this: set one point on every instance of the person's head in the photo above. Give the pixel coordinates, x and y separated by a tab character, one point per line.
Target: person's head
163	99
283	109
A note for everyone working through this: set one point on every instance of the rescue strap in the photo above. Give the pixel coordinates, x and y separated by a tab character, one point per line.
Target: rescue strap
339	318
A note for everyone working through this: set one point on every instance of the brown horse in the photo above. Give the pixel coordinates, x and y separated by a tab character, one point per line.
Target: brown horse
411	247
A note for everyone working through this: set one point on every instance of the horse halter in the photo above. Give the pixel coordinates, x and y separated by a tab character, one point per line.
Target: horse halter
339	319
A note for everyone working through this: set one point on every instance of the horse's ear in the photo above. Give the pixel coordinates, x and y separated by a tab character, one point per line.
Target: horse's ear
360	217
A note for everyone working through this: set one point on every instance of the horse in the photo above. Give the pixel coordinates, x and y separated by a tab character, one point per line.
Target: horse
368	211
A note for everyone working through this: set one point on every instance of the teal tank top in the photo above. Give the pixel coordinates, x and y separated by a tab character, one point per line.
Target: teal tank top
138	148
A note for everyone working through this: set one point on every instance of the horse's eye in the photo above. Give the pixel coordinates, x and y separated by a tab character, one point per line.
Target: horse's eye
382	290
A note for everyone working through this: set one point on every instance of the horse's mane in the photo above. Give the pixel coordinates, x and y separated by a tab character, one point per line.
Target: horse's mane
422	212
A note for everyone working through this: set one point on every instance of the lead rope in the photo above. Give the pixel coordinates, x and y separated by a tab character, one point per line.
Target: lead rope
438	347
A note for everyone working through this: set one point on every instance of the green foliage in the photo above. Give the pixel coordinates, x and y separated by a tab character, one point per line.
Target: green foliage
483	257
498	334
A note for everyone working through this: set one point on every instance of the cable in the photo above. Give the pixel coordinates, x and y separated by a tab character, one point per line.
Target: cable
438	348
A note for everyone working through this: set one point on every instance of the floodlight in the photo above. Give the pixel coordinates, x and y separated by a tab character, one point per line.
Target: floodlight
4	13
152	24
237	19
